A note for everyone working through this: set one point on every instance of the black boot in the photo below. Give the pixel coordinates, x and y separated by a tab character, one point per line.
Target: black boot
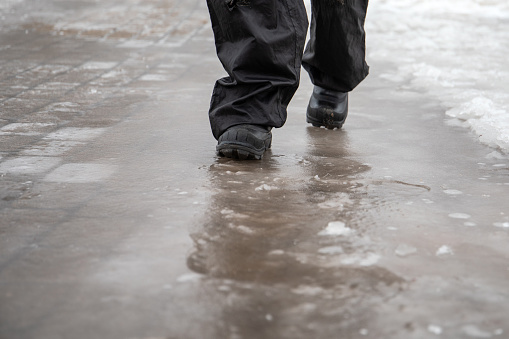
327	108
244	142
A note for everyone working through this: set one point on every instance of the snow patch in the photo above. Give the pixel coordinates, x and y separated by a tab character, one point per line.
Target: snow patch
437	59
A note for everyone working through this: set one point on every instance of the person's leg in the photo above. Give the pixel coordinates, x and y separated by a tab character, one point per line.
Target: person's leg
335	58
260	44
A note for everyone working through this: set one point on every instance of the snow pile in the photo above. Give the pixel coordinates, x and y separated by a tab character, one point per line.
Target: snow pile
453	51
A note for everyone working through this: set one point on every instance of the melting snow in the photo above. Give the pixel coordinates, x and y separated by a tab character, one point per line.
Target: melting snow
433	42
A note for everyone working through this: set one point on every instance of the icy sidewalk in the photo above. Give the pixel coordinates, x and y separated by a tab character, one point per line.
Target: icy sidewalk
117	220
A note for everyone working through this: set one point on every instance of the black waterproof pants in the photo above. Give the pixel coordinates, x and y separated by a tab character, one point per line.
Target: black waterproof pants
260	44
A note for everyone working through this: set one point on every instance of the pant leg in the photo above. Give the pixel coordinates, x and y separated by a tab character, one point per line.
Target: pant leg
336	52
260	44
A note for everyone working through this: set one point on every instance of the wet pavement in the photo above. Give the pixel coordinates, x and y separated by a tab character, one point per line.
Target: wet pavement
117	220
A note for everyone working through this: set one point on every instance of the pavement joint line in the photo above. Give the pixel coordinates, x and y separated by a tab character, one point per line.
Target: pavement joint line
185	40
45	80
44	62
39	108
104	99
22	72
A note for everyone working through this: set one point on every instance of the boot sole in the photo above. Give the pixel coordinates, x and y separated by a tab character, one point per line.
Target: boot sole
327	123
240	151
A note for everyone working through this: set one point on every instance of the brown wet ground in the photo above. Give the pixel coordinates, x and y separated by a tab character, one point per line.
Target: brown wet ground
117	220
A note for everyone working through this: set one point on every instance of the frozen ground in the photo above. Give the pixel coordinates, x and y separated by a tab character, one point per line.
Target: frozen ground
117	220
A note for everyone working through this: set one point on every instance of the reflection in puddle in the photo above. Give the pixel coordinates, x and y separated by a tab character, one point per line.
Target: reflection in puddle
272	243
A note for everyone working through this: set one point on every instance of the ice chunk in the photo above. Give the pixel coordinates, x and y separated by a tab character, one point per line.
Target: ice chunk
475	332
154	77
459	216
404	250
337	228
435	329
453	192
368	259
308	290
501	224
191	277
244	229
331	250
265	187
98	65
444	250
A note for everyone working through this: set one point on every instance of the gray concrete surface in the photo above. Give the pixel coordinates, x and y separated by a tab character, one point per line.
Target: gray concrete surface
117	220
